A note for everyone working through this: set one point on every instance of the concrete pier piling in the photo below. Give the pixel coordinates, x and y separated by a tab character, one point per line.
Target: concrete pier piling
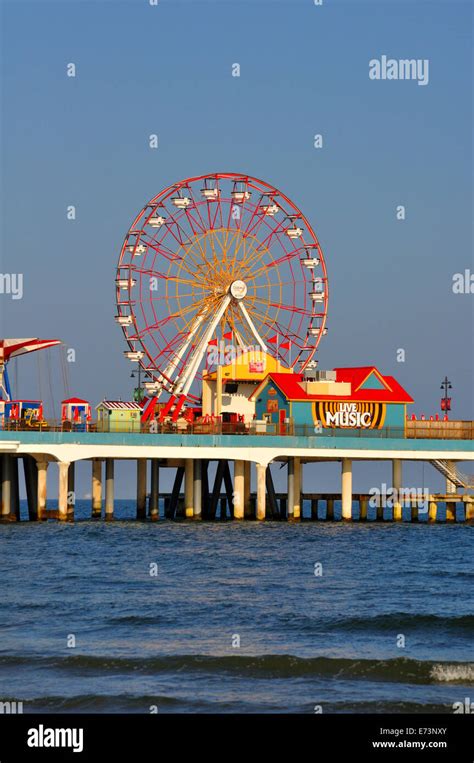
63	467
6	487
15	492
71	491
31	486
96	487
239	489
346	488
294	488
197	489
141	488
109	489
247	489
42	467
189	488
261	491
397	486
154	500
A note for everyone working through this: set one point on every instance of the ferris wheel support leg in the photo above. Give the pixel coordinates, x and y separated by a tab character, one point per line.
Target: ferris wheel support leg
250	323
171	367
183	384
164	411
178	407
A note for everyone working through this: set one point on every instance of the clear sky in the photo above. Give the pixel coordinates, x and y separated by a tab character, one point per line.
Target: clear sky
166	69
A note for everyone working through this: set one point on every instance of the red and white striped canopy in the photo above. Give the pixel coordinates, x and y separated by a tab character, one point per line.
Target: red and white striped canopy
11	348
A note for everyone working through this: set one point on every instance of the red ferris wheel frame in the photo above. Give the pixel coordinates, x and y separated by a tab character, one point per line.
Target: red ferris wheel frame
199	243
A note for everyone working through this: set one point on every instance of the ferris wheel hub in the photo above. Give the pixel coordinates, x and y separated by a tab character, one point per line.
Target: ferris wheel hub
238	289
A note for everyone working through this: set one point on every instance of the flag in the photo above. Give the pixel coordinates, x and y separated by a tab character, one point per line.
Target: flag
228	335
285	345
213	341
273	339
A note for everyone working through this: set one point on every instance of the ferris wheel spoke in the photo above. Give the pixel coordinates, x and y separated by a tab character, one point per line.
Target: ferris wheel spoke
264	319
251	325
265	243
275	263
289	308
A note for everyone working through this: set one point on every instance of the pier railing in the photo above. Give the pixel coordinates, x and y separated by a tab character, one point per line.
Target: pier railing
455	430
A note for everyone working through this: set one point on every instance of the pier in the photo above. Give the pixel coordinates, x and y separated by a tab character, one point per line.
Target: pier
240	461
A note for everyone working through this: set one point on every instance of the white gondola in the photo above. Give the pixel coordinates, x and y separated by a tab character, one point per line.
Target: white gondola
134	355
316	331
137	250
151	386
317	296
124	283
270	209
294	232
156	221
181	202
124	320
310	262
210	194
240	196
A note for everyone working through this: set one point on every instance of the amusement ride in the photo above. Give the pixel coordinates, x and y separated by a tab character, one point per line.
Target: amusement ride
220	254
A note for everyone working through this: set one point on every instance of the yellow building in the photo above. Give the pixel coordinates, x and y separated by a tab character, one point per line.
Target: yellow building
226	390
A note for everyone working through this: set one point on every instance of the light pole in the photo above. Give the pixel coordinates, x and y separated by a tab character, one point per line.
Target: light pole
138	392
446	401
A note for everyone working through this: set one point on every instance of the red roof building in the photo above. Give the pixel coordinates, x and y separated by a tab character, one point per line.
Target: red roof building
344	397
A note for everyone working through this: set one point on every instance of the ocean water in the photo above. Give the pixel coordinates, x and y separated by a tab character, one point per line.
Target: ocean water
235	618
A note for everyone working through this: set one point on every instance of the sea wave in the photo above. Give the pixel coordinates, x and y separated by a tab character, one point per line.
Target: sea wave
399	670
381	622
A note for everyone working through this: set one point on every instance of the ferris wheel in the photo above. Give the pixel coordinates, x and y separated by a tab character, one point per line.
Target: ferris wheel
220	255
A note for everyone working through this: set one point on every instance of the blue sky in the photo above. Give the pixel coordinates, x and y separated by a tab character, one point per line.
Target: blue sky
304	70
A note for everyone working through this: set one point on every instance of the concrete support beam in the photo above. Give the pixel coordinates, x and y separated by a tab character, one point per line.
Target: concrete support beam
297	488
71	491
197	489
330	509
6	487
109	488
141	488
294	488
261	491
96	487
469	509
432	511
397	485
188	487
314	508
42	467
247	488
153	507
346	488
63	467
450	511
239	489
363	504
